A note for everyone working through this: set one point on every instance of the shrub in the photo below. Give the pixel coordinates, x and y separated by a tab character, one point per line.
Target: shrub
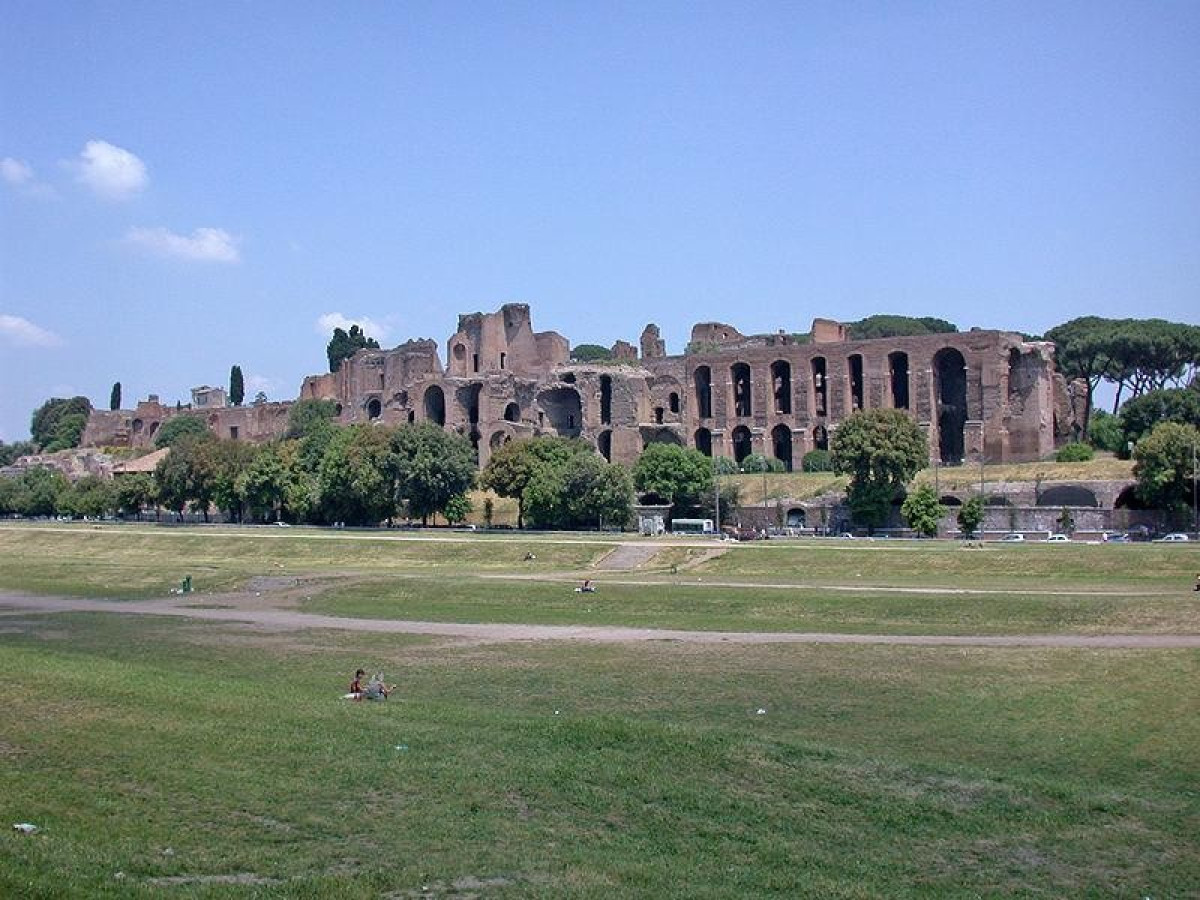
1075	452
817	461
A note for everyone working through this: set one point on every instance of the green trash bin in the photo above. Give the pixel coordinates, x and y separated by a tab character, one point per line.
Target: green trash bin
185	586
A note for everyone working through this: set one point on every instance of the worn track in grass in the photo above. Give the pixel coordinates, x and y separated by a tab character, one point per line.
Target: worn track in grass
247	609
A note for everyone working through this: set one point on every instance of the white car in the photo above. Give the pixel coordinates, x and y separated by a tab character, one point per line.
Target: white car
1174	538
1013	539
1058	539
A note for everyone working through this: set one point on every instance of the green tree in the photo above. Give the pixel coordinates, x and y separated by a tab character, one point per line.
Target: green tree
114	397
47	426
513	465
816	461
1066	521
1082	350
90	496
922	511
680	476
186	474
134	492
263	484
432	466
260	398
882	326
13	499
307	416
1141	415
226	462
881	450
457	509
590	352
970	516
356	476
41	489
14	451
345	344
597	493
1106	433
179	427
237	386
1163	466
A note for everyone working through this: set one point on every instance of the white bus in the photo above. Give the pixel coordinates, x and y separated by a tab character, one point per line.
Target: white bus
692	526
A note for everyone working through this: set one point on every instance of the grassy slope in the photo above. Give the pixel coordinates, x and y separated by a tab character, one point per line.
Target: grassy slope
900	772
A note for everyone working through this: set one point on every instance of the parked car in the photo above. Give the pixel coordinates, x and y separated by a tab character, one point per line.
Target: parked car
1119	539
1173	538
1013	539
1058	539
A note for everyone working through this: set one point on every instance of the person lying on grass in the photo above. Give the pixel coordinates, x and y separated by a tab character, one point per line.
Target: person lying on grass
376	689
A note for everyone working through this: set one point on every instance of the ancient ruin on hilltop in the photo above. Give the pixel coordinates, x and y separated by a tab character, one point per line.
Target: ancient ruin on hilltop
989	392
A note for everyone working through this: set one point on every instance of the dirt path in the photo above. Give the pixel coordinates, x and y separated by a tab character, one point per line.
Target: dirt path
241	608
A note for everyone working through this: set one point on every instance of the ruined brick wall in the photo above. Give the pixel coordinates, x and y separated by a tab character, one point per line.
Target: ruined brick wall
979	392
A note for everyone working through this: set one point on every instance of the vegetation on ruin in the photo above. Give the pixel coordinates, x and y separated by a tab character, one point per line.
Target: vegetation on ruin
884	326
590	353
178	428
58	423
345	344
169	755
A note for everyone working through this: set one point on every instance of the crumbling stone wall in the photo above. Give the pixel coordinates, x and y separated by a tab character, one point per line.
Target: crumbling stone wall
986	393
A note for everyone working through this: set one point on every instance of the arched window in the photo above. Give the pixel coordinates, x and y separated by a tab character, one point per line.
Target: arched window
820	386
512	413
898	378
741	443
605	399
703	440
435	405
703	379
950	372
855	371
781	445
673	402
820	438
604	444
781	386
739	374
374	408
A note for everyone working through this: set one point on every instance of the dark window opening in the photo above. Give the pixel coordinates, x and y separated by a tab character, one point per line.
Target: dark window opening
740	373
856	381
820	387
503	357
658	415
435	405
898	376
741	443
950	371
374	408
703	378
512	413
781	445
604	445
474	362
673	402
233	432
605	399
781	386
704	441
820	438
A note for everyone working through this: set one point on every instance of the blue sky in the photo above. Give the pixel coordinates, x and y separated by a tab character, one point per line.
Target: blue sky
188	186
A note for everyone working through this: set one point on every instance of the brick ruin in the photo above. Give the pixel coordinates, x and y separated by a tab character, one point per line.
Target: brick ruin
781	395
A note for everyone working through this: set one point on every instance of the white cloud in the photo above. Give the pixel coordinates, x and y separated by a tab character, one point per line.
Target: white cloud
19	175
204	244
110	171
264	383
15	172
326	323
23	333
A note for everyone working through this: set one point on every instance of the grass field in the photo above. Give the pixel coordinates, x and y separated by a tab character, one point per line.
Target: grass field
179	758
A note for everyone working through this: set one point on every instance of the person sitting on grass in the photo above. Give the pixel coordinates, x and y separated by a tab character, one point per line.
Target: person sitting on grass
356	688
376	689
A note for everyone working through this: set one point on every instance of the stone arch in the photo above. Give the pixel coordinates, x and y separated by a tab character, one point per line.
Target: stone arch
950	380
564	409
1129	499
820	382
742	443
949	500
337	409
854	370
605	399
781	386
468	400
374	408
673	402
797	517
739	376
1067	495
781	445
898	379
604	444
435	405
660	436
512	413
820	438
153	429
703	441
703	381
499	439
137	425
